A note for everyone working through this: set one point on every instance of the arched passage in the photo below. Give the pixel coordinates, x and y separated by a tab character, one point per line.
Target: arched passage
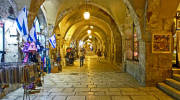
73	21
136	34
113	12
68	25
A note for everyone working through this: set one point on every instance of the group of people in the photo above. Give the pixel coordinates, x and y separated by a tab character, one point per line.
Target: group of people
82	56
100	54
70	56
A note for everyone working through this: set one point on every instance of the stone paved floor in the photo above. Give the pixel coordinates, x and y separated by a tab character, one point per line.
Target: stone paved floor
94	81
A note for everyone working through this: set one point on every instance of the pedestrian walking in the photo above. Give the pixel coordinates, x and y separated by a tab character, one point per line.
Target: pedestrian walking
105	54
82	57
99	55
58	60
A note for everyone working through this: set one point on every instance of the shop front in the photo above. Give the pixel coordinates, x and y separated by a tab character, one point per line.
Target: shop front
176	41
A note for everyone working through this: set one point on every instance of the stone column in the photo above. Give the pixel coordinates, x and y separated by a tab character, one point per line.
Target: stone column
159	21
142	62
158	65
34	9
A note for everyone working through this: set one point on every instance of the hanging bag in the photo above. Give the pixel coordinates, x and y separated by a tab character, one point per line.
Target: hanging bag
25	48
1	76
32	47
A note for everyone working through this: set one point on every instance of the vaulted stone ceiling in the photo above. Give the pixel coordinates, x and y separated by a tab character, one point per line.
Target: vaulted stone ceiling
114	7
56	7
56	10
107	15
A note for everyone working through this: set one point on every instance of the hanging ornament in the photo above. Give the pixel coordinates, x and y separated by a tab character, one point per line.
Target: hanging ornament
32	47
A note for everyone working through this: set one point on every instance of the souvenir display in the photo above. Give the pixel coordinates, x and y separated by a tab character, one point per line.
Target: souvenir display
25	48
32	47
26	58
12	74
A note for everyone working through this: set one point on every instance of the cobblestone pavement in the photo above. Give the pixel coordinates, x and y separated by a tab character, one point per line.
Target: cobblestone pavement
94	81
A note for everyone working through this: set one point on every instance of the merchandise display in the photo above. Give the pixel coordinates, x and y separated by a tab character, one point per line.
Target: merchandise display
27	74
11	73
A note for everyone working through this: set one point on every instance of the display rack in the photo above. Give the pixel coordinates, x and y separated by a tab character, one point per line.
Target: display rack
26	74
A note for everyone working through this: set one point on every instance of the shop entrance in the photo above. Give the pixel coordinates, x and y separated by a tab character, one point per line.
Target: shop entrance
176	40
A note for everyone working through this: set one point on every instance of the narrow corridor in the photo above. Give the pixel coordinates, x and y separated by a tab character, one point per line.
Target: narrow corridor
94	81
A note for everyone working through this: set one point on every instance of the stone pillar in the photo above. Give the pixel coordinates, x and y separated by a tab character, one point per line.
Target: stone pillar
159	21
142	62
123	54
158	65
34	9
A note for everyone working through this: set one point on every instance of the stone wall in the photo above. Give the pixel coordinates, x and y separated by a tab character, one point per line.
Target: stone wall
155	18
132	67
158	65
11	41
135	68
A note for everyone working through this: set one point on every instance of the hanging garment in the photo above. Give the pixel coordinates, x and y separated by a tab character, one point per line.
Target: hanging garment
6	75
25	48
1	76
28	75
36	71
14	74
22	76
25	75
31	73
11	77
26	58
32	47
48	63
18	74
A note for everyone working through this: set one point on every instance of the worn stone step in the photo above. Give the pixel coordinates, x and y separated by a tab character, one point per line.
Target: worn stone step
169	90
173	83
176	70
176	77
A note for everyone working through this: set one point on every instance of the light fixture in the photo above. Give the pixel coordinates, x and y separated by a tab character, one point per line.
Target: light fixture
90	36
86	15
81	43
91	27
89	31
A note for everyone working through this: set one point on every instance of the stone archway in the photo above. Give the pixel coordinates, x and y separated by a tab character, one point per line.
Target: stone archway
110	23
138	68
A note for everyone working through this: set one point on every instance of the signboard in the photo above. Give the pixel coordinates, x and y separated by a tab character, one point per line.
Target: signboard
161	43
178	15
178	20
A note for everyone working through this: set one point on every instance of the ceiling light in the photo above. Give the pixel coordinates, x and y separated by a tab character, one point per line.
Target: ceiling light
86	15
89	31
91	27
90	36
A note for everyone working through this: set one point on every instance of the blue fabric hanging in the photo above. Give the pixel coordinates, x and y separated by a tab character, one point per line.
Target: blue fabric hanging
48	63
